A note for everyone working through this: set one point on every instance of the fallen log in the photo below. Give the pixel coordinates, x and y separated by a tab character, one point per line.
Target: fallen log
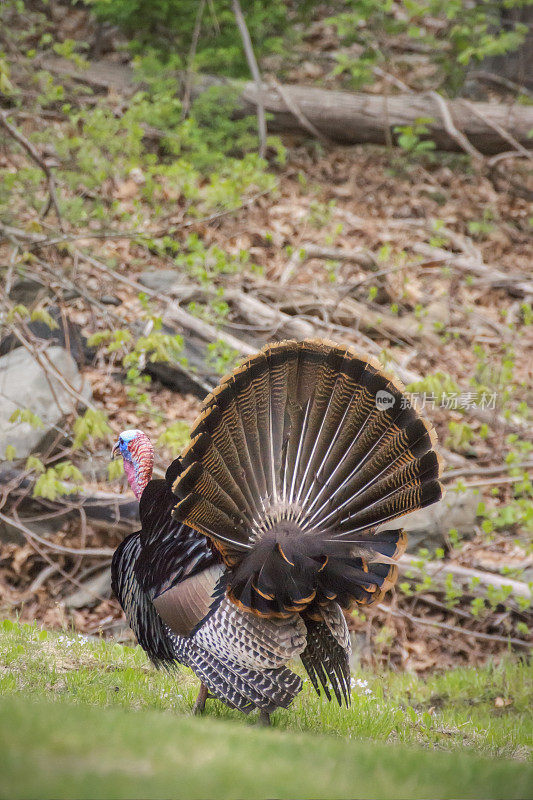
101	509
517	285
355	118
343	117
465	577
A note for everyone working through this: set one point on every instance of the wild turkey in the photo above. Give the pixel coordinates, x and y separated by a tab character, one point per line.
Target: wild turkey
265	529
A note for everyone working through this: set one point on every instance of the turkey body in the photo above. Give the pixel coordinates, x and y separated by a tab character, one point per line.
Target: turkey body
170	583
267	528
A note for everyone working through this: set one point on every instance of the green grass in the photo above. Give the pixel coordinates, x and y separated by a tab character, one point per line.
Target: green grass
141	740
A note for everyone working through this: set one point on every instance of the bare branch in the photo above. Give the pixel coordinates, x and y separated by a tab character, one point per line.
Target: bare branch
254	69
499	80
453	131
33	153
501	130
102	552
190	60
452	474
491	637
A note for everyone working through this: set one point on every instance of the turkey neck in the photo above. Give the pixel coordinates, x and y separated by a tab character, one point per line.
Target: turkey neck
139	469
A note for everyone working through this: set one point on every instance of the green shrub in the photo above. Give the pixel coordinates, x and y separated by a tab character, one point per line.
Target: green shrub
168	26
467	32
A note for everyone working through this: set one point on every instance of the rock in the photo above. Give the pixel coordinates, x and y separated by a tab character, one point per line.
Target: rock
24	384
91	591
429	526
159	280
67	335
110	300
26	291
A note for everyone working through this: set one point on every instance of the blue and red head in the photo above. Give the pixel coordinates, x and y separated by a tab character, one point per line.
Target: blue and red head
138	457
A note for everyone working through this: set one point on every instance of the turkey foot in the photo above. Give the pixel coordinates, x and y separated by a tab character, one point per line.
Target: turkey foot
264	719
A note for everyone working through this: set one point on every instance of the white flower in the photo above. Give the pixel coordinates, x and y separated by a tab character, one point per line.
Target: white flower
360	683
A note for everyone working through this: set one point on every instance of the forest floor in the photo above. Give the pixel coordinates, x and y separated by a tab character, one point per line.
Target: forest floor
420	258
104	723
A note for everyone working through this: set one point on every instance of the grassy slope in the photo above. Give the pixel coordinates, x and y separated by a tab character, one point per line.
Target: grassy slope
149	746
56	750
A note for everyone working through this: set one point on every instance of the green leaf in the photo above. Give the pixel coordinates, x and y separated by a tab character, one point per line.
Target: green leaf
42	315
93	424
34	464
115	469
10	453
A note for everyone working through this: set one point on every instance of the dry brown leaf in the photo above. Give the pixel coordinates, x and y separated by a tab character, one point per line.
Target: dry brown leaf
126	190
503	702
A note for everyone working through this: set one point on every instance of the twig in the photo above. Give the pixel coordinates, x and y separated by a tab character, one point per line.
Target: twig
363	258
432	601
42	577
491	77
373	276
392	79
491	637
452	130
439	570
214	17
254	69
101	552
190	60
32	152
504	156
494	481
499	129
294	108
452	474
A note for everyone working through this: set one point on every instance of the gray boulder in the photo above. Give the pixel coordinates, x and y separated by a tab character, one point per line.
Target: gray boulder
159	280
24	384
429	527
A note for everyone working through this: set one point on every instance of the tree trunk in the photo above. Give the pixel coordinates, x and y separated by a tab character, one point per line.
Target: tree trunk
517	65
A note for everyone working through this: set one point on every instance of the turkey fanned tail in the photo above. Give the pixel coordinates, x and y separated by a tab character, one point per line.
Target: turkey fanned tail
297	459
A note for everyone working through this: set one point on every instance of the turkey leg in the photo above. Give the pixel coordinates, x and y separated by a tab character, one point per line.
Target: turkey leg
199	705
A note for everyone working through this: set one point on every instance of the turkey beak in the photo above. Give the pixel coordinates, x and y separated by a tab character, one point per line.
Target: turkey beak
116	450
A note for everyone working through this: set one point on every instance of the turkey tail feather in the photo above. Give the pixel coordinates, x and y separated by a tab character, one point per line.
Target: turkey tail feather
297	458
